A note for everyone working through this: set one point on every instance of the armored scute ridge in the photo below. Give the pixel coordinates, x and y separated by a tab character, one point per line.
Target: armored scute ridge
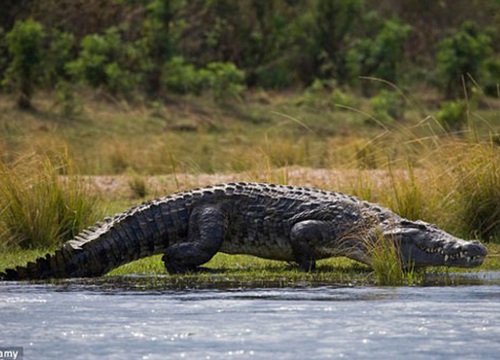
288	223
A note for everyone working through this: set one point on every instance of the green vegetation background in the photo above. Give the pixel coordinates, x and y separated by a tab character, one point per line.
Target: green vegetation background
404	91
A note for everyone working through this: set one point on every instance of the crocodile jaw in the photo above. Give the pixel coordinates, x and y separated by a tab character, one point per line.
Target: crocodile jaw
422	244
466	254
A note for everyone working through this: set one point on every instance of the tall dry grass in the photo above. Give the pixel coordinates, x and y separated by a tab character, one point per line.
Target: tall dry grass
43	202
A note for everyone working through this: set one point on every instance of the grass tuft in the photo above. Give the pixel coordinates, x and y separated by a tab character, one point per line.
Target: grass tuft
475	172
39	208
387	264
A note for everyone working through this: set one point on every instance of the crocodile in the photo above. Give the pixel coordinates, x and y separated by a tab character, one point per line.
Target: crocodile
288	223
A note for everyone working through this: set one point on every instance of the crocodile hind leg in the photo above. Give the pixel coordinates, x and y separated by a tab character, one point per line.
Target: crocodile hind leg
302	235
206	230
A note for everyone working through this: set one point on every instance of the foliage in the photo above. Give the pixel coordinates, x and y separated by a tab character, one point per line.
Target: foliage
132	45
381	55
181	77
4	54
223	80
335	20
24	72
388	106
34	64
104	61
491	81
67	100
56	56
453	115
341	98
161	29
461	57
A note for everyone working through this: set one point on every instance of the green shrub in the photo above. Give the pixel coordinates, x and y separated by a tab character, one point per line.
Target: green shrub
57	54
462	56
103	63
222	80
452	115
26	48
67	100
38	208
341	98
316	95
181	77
388	106
491	82
4	54
380	56
334	22
279	74
161	31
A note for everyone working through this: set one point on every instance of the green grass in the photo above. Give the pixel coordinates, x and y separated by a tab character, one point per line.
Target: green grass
42	203
411	165
388	267
187	134
229	271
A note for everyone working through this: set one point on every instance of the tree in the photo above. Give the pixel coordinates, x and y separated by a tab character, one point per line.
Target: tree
334	23
104	62
25	46
380	55
161	31
462	56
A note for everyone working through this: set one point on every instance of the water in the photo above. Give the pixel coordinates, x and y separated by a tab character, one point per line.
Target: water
81	321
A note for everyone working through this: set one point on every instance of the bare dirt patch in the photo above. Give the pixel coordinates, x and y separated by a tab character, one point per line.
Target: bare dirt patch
119	186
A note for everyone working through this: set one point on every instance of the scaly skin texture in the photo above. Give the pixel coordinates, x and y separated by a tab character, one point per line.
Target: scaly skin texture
270	221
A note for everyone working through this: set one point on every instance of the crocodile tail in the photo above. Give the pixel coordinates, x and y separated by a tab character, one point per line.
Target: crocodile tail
99	249
49	266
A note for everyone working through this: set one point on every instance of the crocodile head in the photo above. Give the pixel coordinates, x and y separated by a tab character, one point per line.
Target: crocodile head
422	244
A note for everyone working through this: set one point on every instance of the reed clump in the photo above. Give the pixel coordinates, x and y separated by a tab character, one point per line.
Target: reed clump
473	172
43	202
386	263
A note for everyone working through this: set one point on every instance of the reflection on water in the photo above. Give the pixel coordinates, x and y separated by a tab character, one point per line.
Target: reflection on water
84	321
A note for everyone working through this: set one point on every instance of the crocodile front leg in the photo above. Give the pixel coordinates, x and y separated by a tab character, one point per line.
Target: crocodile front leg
303	236
206	230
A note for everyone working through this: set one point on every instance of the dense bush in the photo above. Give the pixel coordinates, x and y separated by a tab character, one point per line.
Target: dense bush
335	22
4	54
156	46
453	115
57	54
103	63
221	80
379	56
461	59
388	106
181	77
25	46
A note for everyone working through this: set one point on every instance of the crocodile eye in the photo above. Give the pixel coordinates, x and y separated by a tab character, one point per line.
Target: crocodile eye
421	225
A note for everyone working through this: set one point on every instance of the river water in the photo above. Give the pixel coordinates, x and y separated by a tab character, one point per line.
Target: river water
79	321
